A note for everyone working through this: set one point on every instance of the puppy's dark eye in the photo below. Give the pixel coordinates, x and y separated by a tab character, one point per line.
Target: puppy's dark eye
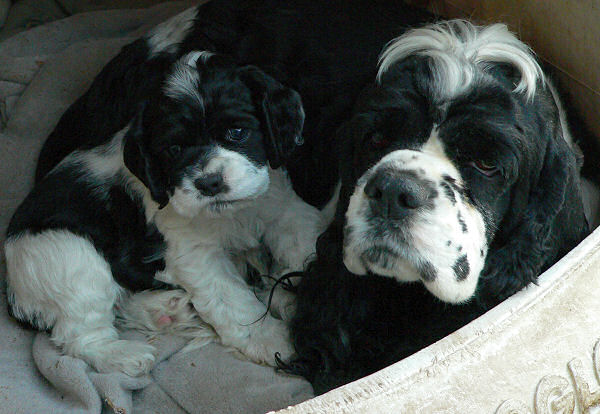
237	134
378	141
174	150
485	168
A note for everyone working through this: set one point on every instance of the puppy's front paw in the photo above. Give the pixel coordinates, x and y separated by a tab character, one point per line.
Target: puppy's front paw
268	338
281	303
130	357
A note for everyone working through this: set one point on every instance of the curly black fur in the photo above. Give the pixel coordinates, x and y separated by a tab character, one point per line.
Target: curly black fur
349	326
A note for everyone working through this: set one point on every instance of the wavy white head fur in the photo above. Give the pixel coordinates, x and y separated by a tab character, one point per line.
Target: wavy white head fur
460	49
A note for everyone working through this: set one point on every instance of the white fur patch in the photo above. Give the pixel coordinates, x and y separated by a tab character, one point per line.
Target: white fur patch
447	235
459	51
59	280
167	36
184	80
203	251
245	182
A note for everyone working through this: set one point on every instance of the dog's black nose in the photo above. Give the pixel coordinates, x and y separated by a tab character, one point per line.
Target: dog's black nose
394	194
210	185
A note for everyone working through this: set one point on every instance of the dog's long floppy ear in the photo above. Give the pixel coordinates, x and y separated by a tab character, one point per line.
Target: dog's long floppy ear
282	114
139	160
550	222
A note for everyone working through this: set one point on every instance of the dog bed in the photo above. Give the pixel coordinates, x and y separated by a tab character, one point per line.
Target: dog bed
42	71
536	352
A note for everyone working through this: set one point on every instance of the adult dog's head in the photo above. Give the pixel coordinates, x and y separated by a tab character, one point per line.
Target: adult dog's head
206	142
457	166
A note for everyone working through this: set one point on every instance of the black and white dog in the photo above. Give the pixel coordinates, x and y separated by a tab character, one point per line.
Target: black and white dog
181	194
458	175
180	189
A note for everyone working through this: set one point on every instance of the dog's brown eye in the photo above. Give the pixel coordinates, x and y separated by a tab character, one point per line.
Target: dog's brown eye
485	168
378	141
237	134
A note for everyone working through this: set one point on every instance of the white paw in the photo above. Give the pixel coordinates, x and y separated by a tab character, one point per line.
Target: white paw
159	311
268	338
130	357
283	302
284	307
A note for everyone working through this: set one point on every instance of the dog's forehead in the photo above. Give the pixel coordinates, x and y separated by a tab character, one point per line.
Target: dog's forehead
487	115
201	100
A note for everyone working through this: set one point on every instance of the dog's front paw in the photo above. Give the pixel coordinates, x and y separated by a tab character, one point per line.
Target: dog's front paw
130	357
280	301
267	339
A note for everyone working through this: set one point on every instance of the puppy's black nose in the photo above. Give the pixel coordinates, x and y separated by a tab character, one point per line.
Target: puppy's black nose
394	194
210	185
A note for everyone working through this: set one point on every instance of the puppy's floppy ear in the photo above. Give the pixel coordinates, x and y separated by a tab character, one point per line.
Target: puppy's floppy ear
282	115
140	161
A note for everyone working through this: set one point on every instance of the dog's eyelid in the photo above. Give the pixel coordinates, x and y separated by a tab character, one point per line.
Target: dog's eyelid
487	168
239	134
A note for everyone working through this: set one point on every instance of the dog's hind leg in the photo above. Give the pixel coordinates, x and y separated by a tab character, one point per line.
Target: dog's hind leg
57	280
168	312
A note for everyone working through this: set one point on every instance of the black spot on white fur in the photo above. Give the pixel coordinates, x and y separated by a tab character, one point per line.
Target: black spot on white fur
462	223
461	268
448	192
427	272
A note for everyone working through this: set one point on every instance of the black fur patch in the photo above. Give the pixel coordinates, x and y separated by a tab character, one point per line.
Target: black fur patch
448	192
427	272
462	223
461	268
349	326
109	104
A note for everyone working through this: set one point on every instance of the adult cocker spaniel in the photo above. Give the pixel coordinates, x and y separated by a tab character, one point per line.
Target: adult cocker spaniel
460	180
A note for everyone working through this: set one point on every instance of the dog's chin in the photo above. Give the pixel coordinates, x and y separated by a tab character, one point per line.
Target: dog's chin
219	207
190	205
405	264
382	260
213	208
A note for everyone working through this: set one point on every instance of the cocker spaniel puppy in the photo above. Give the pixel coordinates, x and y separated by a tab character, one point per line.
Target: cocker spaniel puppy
221	199
460	179
190	187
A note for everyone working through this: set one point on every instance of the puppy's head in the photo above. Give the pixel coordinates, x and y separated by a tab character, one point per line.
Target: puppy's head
443	157
206	142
